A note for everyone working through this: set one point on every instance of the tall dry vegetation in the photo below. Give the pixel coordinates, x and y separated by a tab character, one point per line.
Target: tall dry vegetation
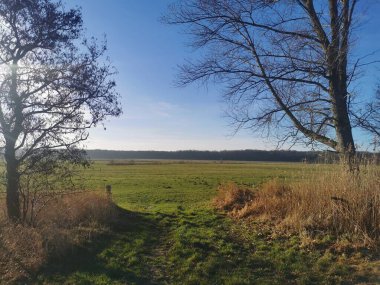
63	224
329	201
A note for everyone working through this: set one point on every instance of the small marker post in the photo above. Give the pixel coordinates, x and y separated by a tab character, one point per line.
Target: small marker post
109	192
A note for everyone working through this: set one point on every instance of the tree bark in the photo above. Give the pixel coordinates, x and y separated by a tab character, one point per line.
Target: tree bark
346	144
11	135
12	183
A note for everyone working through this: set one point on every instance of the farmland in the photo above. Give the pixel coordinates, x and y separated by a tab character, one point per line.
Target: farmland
163	186
169	233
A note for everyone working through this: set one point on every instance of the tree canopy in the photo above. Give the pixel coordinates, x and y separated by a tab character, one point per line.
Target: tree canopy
54	85
287	66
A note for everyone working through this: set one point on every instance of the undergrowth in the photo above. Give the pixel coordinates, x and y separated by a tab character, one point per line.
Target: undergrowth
202	247
334	202
167	233
63	224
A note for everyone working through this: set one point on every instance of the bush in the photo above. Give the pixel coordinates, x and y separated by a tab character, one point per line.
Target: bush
231	197
64	223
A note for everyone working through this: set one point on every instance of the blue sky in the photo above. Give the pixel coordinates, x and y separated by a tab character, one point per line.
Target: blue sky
157	115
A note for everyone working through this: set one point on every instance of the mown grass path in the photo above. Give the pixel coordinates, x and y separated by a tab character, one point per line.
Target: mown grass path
167	233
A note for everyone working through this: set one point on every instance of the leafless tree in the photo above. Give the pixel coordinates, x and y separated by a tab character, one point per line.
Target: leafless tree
54	86
286	64
48	175
368	117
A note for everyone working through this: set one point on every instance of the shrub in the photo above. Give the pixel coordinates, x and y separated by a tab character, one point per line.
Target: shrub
64	223
231	197
273	201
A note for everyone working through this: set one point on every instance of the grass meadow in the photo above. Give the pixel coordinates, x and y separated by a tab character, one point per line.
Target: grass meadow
168	232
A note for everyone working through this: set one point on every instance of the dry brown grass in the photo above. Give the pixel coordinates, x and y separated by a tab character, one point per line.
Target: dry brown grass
270	202
333	202
63	224
232	198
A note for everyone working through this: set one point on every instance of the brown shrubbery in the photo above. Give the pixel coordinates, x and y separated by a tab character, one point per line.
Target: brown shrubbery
232	197
334	202
65	222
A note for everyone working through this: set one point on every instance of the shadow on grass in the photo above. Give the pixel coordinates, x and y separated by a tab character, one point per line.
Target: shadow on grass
120	256
196	247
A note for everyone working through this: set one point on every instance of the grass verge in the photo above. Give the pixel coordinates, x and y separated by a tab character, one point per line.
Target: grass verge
337	203
204	247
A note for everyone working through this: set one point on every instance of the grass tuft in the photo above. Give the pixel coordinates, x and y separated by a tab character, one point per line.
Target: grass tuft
231	197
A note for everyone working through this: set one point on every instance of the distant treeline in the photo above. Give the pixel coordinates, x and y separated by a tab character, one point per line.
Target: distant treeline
238	155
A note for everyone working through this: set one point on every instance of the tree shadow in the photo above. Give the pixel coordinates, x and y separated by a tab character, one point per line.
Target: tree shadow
200	247
120	256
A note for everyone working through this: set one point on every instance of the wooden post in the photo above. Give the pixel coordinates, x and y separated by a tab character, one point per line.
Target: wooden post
109	192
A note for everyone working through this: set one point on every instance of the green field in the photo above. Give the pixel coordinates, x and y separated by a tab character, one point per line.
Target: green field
170	234
159	186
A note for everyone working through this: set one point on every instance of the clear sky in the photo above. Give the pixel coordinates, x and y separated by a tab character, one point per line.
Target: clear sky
157	115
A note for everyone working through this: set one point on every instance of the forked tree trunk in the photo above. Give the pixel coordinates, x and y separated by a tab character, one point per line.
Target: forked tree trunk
12	184
337	52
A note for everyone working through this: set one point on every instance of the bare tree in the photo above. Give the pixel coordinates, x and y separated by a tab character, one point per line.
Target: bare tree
368	117
48	175
286	64
54	86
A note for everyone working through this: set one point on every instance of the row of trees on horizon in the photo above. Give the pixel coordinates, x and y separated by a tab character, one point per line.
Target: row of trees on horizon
228	155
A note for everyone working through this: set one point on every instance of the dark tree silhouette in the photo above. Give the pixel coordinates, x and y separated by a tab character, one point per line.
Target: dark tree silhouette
286	65
54	86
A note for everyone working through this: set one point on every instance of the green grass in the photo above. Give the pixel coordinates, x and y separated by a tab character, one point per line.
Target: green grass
169	234
165	186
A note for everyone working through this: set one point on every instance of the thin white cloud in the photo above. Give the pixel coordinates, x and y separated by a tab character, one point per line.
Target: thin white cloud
164	109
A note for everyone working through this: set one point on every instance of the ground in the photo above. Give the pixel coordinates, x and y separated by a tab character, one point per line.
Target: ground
167	232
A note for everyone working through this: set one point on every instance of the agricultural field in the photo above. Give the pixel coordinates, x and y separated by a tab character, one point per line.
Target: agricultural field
169	233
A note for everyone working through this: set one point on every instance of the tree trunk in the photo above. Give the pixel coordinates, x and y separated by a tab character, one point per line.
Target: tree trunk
12	183
11	136
346	145
337	62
